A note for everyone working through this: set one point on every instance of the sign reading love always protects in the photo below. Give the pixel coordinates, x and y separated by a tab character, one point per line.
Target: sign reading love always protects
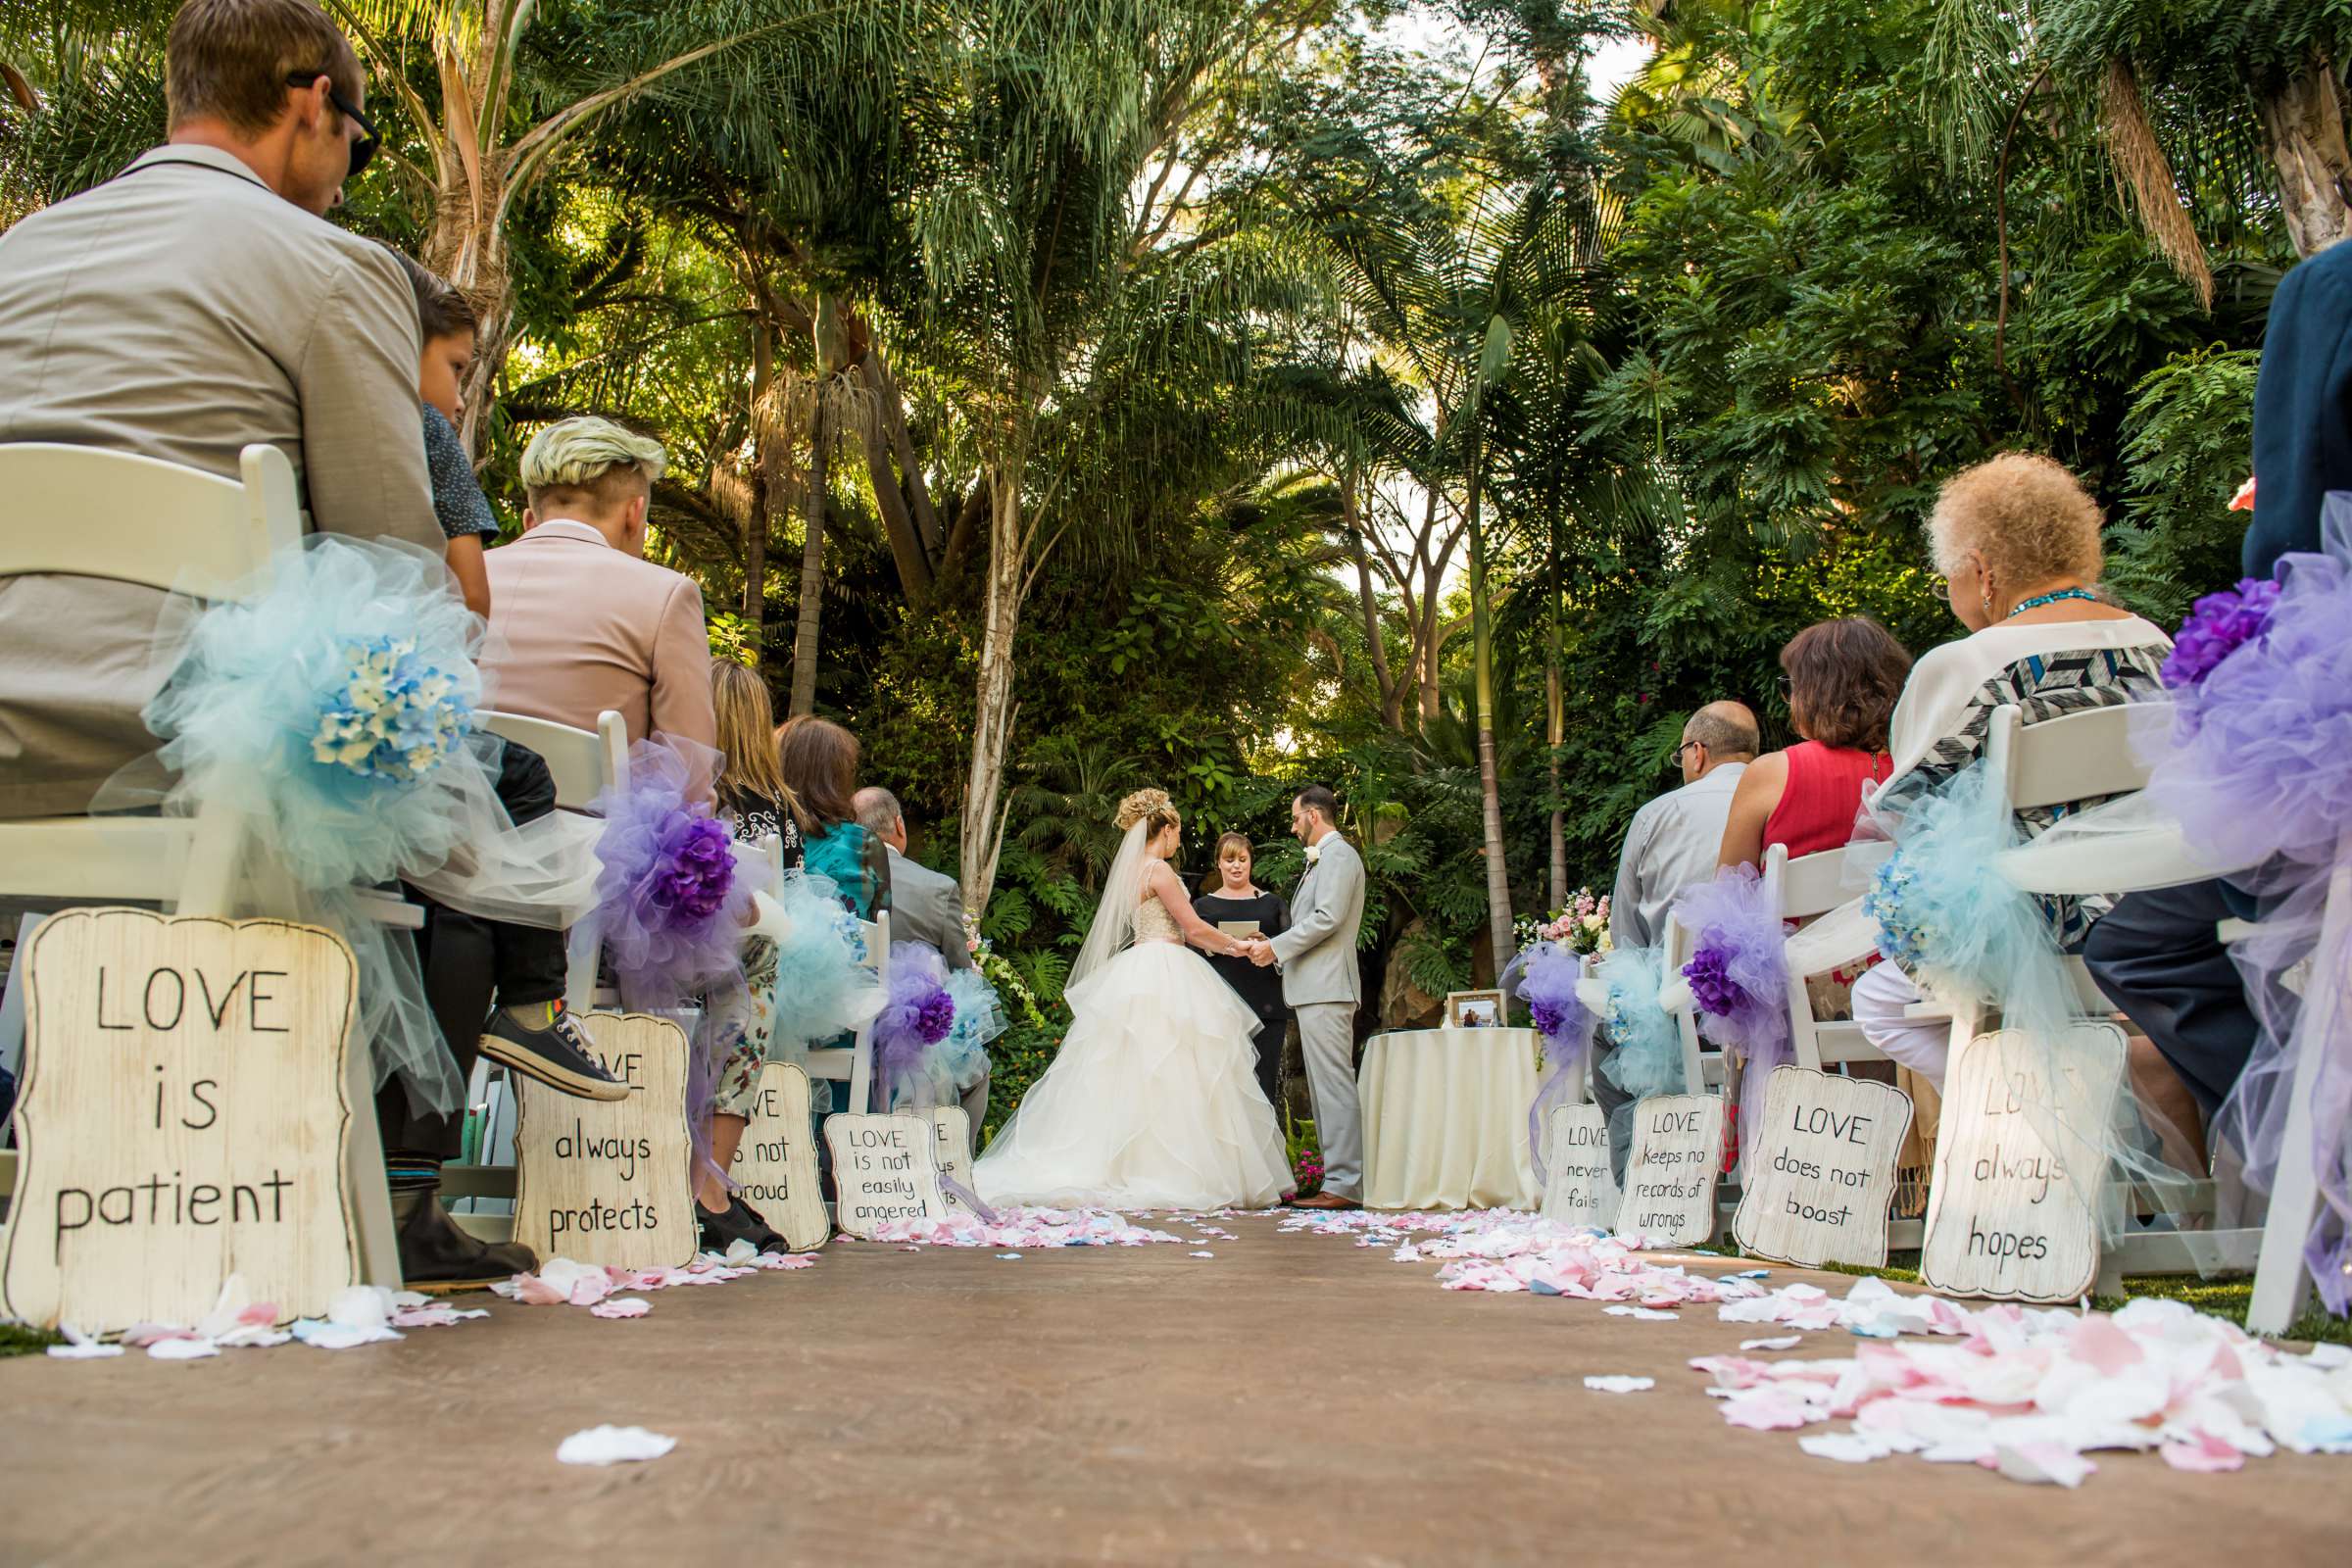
885	1168
610	1182
2020	1156
775	1164
1821	1179
1670	1173
183	1117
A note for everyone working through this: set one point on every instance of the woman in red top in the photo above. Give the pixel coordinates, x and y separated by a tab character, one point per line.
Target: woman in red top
1843	679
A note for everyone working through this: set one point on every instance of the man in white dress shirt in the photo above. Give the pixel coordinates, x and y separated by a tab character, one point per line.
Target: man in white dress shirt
1672	843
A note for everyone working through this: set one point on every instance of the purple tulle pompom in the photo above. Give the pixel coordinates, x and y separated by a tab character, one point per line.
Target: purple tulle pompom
1711	987
2219	625
673	897
700	870
919	1015
1550	1017
1543	976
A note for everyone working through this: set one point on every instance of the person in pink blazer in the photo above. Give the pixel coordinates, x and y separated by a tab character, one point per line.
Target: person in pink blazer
580	621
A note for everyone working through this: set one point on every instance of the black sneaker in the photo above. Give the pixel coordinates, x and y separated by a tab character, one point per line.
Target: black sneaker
435	1254
724	1228
557	1055
764	1235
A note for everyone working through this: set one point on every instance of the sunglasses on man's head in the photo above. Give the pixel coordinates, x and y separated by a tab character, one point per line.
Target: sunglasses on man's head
364	147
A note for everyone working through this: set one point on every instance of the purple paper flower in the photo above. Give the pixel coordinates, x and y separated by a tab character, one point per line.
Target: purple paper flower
1711	983
699	869
1550	1018
2219	625
935	1017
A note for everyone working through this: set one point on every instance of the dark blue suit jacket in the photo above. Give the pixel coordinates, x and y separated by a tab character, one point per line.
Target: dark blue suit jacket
2302	408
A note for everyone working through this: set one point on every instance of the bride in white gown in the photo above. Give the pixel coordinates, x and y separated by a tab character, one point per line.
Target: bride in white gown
1152	1102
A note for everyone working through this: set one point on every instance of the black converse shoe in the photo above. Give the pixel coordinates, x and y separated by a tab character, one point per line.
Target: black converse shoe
558	1056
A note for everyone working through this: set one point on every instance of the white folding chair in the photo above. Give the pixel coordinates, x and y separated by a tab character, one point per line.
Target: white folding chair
2075	757
584	764
854	1064
86	511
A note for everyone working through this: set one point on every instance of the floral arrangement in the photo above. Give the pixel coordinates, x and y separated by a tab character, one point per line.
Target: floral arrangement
394	716
1581	927
1308	1172
672	894
2219	625
1000	974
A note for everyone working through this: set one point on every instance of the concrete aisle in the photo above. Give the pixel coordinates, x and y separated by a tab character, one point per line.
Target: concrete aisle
1295	1398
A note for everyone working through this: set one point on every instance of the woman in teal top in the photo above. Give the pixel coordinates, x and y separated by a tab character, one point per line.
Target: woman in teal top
819	761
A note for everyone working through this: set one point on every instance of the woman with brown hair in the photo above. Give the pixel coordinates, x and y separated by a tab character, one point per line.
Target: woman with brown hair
1843	678
818	759
1238	906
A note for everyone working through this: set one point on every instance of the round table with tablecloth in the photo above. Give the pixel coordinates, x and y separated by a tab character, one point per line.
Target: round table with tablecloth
1446	1118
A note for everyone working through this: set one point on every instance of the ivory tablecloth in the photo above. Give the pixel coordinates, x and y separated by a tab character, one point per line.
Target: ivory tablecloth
1446	1118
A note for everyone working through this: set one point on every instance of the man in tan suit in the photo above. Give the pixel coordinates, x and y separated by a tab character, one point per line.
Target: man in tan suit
580	621
195	303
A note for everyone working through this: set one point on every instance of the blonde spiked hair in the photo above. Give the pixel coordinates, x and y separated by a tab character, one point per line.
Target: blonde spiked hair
588	455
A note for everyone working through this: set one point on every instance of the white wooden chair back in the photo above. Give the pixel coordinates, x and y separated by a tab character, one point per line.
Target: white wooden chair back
855	1065
584	764
91	512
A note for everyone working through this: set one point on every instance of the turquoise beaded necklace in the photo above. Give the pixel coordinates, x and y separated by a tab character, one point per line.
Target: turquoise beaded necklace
2039	599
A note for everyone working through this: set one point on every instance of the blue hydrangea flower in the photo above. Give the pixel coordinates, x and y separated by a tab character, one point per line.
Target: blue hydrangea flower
392	716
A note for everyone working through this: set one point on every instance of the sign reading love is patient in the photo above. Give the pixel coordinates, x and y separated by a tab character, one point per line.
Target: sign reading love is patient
1821	1178
775	1164
182	1118
610	1182
885	1168
1579	1185
2021	1151
1670	1173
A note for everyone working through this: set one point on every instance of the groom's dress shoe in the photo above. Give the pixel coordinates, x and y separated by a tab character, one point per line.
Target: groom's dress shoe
1325	1200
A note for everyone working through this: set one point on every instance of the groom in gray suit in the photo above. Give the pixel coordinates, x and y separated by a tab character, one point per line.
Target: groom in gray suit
1320	982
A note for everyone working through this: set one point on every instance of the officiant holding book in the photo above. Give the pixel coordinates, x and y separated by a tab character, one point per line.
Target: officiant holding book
1239	908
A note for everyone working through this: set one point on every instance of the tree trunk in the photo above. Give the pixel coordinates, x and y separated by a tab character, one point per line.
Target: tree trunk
812	563
908	550
2305	122
993	706
755	521
1555	724
1392	690
1490	782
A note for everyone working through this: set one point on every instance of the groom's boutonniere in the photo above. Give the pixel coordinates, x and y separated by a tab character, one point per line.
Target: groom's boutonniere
1314	854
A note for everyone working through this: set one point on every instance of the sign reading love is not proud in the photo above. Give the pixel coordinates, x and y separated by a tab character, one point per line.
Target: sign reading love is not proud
1670	1173
2021	1157
183	1117
885	1168
610	1182
1579	1185
1821	1179
775	1164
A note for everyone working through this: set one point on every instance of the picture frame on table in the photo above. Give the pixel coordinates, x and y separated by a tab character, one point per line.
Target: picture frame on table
1475	1009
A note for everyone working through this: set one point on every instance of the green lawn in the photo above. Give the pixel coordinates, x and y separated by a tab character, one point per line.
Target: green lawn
17	1340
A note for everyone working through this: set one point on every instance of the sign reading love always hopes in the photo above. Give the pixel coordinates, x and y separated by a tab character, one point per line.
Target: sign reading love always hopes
1579	1183
182	1117
2021	1155
1671	1170
610	1182
775	1164
885	1168
1820	1181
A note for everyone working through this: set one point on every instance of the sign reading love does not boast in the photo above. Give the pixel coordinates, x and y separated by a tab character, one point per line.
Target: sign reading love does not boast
1579	1185
2016	1166
775	1164
1822	1177
182	1117
885	1168
1671	1170
609	1182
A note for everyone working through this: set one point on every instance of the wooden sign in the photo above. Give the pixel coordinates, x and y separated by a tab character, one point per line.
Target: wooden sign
2019	1155
885	1168
1579	1185
953	1152
1670	1174
1819	1183
775	1164
182	1118
610	1182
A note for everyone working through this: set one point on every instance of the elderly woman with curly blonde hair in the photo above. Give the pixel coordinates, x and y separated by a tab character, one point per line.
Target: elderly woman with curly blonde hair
2016	543
1152	1101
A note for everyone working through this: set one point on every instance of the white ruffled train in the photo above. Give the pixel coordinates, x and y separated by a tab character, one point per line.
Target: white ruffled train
1152	1102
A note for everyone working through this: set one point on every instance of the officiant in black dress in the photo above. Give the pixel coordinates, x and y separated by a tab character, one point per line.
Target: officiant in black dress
1238	906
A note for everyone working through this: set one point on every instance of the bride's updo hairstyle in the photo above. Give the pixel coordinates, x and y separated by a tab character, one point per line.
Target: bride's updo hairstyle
1151	808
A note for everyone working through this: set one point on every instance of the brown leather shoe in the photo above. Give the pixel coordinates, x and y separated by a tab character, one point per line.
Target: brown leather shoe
1325	1200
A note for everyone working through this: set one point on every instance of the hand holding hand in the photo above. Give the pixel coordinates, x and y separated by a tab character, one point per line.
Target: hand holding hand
1261	952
